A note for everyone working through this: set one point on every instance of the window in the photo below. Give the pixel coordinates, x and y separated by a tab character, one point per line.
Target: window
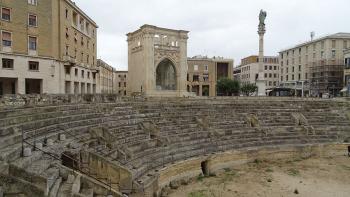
333	53
345	44
88	75
32	2
281	78
293	69
265	67
124	84
6	14
7	63
275	68
299	76
292	77
287	77
333	44
6	39
76	72
67	50
33	65
119	84
275	75
32	20
195	78
322	54
206	67
32	43
265	75
75	18
67	70
195	67
270	75
206	77
82	74
299	67
66	14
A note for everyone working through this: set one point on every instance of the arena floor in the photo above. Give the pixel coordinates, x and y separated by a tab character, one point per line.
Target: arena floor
314	177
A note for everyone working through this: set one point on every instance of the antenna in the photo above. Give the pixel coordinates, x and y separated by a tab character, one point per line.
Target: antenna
312	35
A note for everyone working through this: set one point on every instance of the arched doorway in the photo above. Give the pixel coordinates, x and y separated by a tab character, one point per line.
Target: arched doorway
166	75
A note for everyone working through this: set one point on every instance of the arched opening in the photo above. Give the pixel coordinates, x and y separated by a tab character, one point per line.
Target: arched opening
166	75
205	169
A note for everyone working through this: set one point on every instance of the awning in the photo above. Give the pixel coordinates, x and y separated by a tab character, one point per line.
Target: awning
345	89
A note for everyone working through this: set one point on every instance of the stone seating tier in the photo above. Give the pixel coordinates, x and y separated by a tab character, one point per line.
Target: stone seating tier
182	129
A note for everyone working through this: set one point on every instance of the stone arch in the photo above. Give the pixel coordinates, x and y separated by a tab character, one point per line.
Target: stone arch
166	77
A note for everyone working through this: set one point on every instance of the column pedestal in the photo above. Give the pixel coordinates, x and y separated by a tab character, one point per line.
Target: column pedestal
261	84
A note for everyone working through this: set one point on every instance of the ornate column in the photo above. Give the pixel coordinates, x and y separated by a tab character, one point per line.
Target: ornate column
260	81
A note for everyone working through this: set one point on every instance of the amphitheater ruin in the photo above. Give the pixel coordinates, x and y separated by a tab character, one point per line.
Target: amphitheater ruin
105	145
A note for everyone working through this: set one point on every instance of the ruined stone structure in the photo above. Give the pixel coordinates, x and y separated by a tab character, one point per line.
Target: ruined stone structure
107	145
157	61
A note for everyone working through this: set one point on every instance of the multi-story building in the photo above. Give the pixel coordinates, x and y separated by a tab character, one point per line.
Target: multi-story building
121	79
347	72
46	47
250	69
203	74
316	66
237	73
106	77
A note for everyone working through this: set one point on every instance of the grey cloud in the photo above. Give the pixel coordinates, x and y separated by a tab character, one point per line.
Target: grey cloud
217	27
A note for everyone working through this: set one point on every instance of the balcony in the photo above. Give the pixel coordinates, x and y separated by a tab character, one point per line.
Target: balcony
69	61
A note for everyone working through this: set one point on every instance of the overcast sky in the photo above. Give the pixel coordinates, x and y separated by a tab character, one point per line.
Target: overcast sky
217	27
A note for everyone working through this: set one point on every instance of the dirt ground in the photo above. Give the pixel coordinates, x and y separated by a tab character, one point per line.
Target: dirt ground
314	177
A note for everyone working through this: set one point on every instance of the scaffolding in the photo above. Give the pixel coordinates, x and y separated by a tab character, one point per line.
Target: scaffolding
326	77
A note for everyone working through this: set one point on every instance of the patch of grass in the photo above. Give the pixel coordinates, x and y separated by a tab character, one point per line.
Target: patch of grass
199	193
257	161
293	172
345	167
200	177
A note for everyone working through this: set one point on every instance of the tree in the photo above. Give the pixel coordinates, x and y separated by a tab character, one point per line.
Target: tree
249	89
227	87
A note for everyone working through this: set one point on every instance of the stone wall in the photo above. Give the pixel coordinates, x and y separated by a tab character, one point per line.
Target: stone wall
102	168
16	101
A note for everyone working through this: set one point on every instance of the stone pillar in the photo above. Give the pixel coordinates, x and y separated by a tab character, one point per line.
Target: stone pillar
21	85
261	82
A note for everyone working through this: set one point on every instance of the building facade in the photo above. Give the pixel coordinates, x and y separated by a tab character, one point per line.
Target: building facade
46	47
157	61
121	82
250	69
203	74
106	77
237	73
315	67
347	72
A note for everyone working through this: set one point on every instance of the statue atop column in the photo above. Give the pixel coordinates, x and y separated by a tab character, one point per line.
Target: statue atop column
262	17
261	82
